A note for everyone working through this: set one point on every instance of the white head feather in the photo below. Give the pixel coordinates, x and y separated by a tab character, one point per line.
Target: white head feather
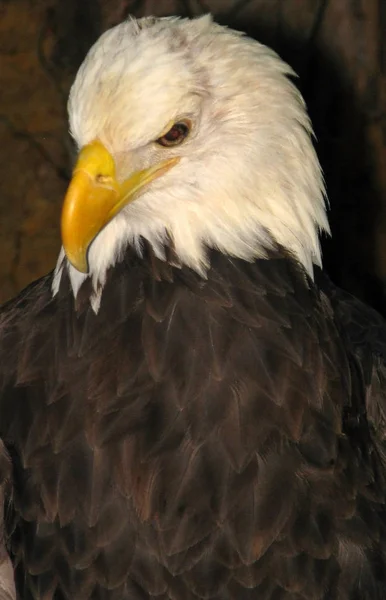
248	176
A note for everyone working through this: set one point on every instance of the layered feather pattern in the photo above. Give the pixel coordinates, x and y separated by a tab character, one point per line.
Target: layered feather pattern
196	439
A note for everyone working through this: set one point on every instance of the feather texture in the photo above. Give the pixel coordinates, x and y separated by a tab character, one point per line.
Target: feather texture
197	439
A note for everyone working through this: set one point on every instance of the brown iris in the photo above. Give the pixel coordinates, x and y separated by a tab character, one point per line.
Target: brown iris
176	134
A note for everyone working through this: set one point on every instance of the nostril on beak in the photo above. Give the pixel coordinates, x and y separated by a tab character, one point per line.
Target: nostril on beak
102	178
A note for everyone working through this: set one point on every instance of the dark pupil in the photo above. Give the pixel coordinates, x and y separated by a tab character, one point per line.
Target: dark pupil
175	133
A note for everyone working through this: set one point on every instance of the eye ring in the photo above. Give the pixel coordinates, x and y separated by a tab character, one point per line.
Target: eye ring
177	133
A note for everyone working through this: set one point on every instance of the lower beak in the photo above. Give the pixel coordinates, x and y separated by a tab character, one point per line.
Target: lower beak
94	197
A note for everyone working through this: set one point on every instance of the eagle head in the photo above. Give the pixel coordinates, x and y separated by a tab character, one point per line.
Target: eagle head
193	134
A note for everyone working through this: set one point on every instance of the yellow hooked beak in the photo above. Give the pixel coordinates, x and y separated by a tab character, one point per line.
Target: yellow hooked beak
94	197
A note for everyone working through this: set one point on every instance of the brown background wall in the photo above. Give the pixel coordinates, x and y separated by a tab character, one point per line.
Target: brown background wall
338	47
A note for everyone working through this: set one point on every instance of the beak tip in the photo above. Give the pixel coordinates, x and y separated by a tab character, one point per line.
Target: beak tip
79	263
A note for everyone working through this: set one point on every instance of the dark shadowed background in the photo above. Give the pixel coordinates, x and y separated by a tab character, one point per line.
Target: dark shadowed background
338	48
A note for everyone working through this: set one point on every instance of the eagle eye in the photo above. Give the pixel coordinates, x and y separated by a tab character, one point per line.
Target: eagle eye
176	134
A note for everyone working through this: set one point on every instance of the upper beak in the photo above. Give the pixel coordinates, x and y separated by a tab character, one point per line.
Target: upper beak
94	197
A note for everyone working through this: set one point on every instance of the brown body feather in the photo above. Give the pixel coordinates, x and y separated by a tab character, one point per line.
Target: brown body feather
197	439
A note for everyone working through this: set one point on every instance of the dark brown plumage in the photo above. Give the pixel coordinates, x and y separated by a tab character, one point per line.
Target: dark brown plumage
218	438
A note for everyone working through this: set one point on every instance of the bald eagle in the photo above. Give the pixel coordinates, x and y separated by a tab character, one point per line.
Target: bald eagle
189	409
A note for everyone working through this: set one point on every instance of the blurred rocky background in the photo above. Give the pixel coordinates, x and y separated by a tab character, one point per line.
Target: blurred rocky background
338	48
